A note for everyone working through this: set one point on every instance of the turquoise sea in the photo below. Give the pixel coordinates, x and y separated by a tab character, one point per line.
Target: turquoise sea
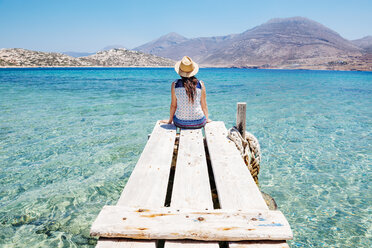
69	139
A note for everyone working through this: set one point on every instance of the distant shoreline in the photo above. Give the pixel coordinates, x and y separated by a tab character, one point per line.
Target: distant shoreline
216	67
30	67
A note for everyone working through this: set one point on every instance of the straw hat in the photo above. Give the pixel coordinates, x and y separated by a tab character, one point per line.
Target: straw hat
186	67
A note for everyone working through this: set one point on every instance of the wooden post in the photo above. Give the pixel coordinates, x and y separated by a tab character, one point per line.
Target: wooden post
241	117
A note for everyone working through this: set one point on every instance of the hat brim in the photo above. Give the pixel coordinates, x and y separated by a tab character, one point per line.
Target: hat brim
186	74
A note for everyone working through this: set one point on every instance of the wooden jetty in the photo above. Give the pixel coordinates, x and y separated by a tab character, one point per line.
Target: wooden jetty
167	201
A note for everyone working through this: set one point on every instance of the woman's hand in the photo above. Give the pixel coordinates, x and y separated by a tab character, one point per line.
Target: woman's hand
209	120
166	121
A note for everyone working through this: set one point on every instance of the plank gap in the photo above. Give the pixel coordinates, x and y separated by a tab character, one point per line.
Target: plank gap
224	244
212	183
160	243
172	172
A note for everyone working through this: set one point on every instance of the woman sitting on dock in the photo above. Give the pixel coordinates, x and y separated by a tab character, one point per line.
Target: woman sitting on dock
188	107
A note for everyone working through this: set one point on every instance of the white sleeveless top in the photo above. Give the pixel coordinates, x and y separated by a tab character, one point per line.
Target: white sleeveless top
185	109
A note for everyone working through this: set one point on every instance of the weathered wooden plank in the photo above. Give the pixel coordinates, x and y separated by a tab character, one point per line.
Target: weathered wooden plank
246	244
124	243
191	187
148	182
208	225
187	243
259	244
235	185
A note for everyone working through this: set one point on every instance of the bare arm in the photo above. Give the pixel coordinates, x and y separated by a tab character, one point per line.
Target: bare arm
173	105
203	101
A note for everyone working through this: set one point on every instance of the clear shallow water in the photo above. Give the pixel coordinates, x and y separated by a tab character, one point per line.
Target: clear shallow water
69	139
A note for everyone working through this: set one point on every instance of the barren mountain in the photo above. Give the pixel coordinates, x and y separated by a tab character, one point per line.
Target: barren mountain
162	43
283	41
113	57
365	43
177	46
279	43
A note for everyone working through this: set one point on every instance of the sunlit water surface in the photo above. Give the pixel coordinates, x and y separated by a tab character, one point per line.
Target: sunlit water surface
69	139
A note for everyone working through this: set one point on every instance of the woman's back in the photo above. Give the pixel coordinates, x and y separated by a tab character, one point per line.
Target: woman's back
187	109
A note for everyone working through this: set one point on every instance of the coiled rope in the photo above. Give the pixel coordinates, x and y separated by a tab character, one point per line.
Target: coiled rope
250	150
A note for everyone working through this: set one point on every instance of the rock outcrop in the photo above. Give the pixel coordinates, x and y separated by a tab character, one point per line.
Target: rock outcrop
27	58
364	43
124	57
115	57
162	43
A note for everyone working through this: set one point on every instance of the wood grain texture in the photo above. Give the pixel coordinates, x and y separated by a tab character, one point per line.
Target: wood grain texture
235	186
124	243
259	244
191	187
207	225
148	182
140	200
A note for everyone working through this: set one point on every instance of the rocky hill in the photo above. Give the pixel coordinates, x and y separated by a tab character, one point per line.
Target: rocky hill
115	57
23	57
124	57
196	48
162	43
279	43
365	43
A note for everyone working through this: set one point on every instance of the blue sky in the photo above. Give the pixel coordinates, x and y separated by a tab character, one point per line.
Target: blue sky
90	25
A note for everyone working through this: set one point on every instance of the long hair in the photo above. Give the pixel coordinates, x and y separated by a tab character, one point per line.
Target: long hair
190	87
